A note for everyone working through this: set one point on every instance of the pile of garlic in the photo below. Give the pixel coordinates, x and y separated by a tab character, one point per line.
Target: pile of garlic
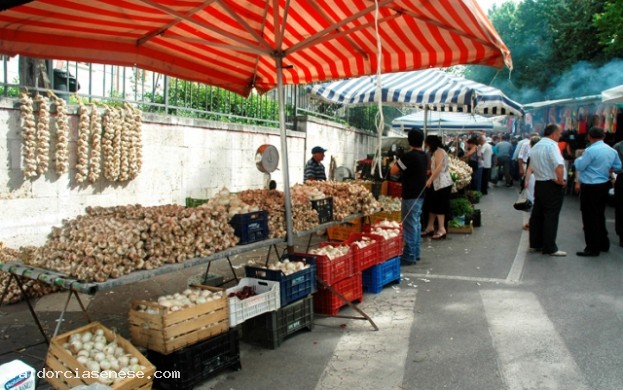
390	203
363	242
109	242
331	251
43	134
386	232
29	135
179	301
33	288
271	201
232	203
348	198
98	354
61	154
461	173
286	266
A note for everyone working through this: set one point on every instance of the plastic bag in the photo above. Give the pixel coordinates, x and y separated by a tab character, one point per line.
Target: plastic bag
523	203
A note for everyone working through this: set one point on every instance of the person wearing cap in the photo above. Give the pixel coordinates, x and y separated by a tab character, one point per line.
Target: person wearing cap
314	170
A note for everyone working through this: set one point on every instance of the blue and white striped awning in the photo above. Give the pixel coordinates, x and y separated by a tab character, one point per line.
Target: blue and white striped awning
430	89
443	122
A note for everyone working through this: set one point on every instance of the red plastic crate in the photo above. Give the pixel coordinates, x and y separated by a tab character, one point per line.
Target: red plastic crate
331	271
394	189
366	257
389	248
326	302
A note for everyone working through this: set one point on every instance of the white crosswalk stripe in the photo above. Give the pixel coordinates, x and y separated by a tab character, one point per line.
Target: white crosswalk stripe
532	354
380	355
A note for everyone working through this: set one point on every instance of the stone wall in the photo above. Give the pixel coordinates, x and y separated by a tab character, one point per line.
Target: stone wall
182	157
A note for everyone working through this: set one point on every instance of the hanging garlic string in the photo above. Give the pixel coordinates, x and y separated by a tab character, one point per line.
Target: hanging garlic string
379	119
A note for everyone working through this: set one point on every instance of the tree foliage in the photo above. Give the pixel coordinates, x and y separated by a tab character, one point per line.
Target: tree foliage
548	40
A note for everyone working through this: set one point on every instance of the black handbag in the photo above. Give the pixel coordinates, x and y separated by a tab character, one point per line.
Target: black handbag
523	203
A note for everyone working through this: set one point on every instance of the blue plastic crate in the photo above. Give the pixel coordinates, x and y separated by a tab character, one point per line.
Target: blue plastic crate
294	286
250	227
380	275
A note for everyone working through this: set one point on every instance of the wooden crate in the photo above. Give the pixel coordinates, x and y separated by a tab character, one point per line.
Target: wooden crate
342	231
466	229
170	331
59	360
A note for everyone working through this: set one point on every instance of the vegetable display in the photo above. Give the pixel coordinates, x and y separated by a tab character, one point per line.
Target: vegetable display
61	153
243	293
188	298
29	135
460	172
98	354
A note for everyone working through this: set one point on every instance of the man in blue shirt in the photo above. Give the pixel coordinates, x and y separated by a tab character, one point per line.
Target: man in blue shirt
594	167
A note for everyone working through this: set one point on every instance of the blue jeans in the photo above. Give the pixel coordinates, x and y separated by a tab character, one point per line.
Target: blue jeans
411	229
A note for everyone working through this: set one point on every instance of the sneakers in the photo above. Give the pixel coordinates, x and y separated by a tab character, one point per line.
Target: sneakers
558	253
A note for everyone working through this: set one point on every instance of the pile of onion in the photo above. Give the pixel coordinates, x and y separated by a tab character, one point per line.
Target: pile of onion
286	266
179	301
98	354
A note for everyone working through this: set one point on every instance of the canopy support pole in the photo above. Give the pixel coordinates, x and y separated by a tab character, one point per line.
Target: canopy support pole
284	153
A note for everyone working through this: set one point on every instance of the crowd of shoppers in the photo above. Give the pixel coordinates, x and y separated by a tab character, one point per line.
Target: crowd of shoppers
548	165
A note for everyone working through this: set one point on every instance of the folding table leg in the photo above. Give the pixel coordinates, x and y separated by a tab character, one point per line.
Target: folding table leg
349	303
32	309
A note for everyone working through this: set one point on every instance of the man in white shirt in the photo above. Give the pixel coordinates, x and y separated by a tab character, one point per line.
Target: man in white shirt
548	167
487	154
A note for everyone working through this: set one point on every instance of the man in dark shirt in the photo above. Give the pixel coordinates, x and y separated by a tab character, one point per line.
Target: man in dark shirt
412	166
314	170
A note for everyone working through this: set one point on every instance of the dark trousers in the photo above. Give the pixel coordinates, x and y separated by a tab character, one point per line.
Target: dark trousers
504	166
548	197
593	199
618	206
486	175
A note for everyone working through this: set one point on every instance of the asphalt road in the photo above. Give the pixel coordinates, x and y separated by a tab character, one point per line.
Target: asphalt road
478	312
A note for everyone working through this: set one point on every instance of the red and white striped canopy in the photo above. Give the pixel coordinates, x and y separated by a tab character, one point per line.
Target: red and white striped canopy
233	43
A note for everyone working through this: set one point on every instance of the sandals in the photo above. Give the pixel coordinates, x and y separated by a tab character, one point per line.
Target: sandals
428	234
438	236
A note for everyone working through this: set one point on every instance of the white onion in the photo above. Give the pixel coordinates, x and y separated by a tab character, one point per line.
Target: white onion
99	332
82	359
105	364
99	357
93	366
87	336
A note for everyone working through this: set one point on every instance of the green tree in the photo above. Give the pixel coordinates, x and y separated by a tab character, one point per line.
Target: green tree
609	24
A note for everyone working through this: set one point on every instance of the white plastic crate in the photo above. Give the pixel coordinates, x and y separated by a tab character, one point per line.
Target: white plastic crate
267	299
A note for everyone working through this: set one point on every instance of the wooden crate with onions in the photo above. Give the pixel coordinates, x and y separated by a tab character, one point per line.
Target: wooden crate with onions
82	357
166	326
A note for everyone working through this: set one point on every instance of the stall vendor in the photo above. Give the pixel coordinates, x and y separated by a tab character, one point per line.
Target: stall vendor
314	170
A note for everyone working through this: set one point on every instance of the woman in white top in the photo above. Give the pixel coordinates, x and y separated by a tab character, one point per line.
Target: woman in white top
440	182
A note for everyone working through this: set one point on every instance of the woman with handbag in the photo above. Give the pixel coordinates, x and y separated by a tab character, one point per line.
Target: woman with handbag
440	182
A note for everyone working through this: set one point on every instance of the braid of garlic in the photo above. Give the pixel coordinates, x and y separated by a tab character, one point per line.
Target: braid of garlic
125	146
61	154
29	135
138	139
95	160
82	149
43	134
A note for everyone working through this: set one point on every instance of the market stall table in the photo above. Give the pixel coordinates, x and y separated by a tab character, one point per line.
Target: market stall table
20	271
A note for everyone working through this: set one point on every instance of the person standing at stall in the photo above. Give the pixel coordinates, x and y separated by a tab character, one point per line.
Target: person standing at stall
412	167
594	166
504	151
314	170
487	156
440	182
547	166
